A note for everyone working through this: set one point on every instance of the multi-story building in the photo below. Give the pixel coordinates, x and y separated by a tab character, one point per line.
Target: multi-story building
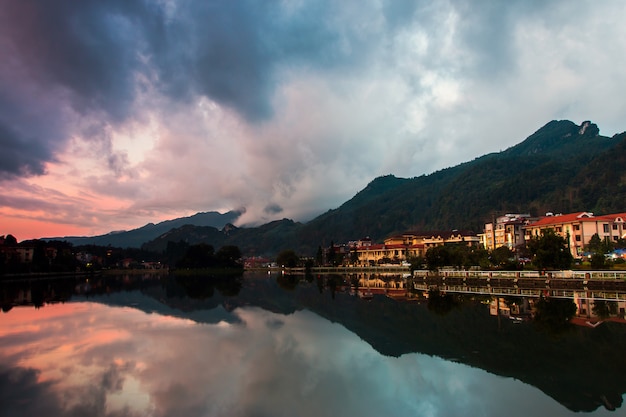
578	228
401	248
507	230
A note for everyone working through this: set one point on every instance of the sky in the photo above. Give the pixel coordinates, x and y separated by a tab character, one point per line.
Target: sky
117	113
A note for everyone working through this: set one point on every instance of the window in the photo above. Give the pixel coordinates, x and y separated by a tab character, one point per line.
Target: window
605	227
577	237
614	226
576	227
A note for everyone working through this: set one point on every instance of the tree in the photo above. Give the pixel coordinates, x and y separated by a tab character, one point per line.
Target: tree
287	258
10	240
502	257
354	256
417	262
554	314
198	256
597	261
598	248
436	257
604	309
442	304
550	251
228	256
319	257
175	251
595	244
457	255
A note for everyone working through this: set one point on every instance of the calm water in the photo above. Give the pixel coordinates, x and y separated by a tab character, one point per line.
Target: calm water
280	346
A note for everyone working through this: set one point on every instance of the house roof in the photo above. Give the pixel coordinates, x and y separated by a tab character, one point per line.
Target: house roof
617	217
438	233
565	218
394	246
580	216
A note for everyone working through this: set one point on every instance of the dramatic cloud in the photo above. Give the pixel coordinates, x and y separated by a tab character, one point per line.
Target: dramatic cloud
163	108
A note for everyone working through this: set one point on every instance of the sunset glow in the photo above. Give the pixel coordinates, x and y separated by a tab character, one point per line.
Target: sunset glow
117	114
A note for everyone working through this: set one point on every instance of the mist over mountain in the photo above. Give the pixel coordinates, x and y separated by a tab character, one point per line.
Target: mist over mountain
562	167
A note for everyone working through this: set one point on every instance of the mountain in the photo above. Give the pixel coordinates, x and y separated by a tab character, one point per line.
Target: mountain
269	238
136	237
562	167
546	172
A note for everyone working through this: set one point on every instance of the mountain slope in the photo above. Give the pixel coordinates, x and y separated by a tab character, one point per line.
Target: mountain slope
562	167
136	237
530	177
269	238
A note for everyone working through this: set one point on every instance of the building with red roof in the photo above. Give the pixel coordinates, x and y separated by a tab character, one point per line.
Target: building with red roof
400	248
578	228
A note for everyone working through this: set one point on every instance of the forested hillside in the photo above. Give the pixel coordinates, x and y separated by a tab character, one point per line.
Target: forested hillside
560	168
563	167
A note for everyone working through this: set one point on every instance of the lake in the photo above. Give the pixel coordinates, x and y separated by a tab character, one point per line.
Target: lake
276	345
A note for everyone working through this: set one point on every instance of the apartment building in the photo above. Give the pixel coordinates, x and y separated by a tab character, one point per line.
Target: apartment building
507	230
578	228
402	247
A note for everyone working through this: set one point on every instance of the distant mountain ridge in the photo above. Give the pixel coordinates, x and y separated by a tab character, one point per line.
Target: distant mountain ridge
137	237
562	167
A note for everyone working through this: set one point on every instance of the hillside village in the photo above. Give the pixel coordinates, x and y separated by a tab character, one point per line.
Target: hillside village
510	230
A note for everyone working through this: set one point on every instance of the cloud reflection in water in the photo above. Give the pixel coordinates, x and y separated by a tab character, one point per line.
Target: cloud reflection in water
81	359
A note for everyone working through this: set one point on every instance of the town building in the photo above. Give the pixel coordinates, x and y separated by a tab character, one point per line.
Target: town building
507	230
578	228
401	248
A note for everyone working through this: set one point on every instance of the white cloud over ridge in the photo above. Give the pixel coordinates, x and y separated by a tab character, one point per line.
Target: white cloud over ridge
165	108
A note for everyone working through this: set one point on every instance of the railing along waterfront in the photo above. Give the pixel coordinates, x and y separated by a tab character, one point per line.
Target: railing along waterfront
569	274
398	269
526	292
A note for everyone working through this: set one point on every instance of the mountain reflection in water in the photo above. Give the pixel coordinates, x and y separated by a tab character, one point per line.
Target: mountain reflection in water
282	346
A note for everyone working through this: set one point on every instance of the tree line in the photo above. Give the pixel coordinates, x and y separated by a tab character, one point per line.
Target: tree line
41	256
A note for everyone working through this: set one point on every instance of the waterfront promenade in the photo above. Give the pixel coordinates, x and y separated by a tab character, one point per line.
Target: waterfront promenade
523	282
496	282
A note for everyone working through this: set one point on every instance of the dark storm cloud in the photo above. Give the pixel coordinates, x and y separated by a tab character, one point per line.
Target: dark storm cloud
19	154
63	56
89	47
71	64
232	51
94	57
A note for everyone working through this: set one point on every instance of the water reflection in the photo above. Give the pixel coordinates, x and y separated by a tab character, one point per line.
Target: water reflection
277	346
